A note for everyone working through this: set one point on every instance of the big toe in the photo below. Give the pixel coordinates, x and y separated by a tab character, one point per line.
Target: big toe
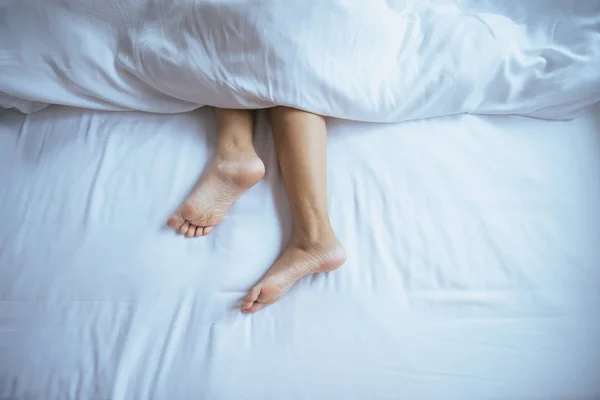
250	298
262	294
176	220
270	294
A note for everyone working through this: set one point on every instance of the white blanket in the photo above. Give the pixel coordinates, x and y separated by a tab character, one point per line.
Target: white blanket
365	60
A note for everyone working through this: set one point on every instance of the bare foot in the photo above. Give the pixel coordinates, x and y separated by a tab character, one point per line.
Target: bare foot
229	175
295	262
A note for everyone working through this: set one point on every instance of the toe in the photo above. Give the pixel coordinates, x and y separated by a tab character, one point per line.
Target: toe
199	231
207	230
246	304
269	298
191	231
250	297
270	291
175	221
255	307
184	227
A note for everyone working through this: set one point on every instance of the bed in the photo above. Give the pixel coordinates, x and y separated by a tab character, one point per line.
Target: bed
473	240
473	268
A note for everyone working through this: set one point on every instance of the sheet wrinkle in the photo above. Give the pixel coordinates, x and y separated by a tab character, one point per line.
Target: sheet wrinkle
89	216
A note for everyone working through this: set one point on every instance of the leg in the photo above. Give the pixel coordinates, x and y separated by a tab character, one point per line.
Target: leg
301	145
234	169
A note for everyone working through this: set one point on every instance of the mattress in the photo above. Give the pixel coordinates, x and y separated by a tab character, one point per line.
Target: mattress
473	265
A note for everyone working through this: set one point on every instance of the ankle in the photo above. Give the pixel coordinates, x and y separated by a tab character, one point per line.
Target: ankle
234	149
320	236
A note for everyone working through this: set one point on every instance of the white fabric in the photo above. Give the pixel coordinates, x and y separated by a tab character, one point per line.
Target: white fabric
364	60
473	270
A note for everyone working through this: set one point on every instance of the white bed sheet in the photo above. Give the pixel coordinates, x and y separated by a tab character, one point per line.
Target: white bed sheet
473	270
